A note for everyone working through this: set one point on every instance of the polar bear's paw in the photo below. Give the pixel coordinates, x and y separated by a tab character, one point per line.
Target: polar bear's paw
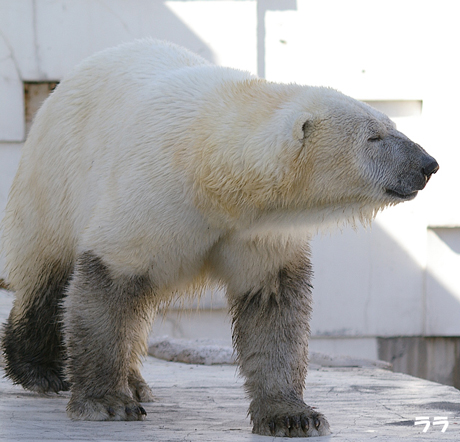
111	407
41	379
288	420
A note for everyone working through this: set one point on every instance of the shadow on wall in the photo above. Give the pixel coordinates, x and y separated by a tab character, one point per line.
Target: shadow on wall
414	313
365	285
443	282
98	25
170	27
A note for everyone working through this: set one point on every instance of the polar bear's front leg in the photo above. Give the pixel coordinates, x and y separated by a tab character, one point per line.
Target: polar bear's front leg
270	331
106	319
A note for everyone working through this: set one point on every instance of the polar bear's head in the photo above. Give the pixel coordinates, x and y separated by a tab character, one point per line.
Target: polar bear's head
348	153
287	152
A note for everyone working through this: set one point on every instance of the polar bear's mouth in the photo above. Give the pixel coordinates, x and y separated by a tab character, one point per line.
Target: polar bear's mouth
401	196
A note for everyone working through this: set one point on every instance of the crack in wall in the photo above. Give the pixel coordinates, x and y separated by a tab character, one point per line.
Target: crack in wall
41	75
11	55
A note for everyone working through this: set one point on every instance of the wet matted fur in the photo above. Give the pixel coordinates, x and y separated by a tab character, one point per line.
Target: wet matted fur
271	324
32	336
107	321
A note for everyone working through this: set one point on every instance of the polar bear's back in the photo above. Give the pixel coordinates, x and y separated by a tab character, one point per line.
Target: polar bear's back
147	56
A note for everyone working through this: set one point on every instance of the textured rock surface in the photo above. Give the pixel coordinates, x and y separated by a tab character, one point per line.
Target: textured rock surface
197	351
199	403
210	352
207	403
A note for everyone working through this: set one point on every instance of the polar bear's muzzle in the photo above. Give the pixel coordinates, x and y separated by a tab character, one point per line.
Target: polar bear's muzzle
415	169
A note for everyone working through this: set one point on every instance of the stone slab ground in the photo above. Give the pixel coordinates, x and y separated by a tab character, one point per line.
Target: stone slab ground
207	403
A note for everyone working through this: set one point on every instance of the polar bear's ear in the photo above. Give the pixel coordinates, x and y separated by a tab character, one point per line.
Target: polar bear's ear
301	127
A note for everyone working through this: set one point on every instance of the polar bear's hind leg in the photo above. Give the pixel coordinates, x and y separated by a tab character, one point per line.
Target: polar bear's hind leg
32	341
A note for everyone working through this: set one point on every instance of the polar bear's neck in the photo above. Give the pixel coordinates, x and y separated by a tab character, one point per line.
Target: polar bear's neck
239	144
308	222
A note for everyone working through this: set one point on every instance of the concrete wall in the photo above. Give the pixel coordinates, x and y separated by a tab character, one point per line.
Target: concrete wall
398	278
434	358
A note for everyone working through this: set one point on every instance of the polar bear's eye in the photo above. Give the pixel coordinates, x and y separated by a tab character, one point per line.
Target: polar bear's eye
374	138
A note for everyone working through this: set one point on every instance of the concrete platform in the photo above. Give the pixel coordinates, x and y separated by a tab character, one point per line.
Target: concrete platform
207	403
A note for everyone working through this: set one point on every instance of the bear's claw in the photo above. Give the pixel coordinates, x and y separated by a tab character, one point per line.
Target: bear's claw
135	411
297	426
303	423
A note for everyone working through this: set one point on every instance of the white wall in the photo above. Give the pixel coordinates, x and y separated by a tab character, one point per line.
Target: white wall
386	281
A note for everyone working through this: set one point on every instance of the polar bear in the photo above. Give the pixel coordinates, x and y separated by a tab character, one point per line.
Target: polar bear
149	171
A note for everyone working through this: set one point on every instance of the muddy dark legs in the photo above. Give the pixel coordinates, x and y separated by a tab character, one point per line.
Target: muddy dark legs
32	341
105	318
270	330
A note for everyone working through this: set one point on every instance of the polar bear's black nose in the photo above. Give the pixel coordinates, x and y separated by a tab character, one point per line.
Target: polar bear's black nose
430	167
